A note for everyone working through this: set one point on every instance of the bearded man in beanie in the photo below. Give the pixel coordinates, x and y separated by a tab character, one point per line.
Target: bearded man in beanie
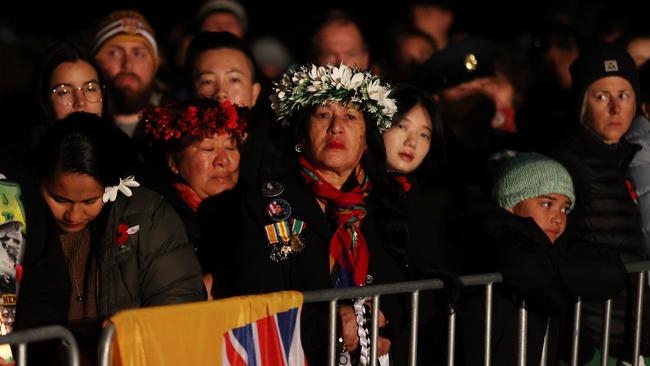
127	52
522	236
605	94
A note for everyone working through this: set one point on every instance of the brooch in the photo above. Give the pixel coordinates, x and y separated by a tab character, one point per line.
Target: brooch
272	189
278	209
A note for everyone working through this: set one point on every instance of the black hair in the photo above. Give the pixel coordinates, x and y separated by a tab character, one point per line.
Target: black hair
406	98
206	41
84	143
54	55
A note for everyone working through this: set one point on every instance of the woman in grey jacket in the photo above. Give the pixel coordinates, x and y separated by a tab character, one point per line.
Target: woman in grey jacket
639	134
123	246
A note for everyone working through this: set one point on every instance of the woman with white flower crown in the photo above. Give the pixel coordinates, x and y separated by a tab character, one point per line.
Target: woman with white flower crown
312	222
122	245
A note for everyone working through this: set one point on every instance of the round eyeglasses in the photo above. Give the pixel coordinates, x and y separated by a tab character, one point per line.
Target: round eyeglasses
64	94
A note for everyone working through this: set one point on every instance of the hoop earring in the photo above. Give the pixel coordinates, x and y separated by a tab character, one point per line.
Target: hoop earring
298	148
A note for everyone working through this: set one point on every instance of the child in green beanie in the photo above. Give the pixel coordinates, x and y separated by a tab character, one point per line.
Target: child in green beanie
532	185
521	236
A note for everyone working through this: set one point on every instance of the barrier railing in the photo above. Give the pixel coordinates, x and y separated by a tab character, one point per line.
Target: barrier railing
22	337
416	287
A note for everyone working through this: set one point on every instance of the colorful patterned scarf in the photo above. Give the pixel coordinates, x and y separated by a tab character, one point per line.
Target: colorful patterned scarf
348	248
187	194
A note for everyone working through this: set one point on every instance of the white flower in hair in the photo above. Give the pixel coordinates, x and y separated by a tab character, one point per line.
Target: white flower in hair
341	76
356	81
110	192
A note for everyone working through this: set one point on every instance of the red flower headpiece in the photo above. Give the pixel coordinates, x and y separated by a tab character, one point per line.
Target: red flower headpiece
196	119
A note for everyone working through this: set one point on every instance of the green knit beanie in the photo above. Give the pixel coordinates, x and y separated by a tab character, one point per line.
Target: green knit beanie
529	175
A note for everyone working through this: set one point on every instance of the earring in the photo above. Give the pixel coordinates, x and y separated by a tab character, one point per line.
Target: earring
298	148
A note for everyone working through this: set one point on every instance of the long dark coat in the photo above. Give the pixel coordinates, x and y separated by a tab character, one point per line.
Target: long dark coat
234	221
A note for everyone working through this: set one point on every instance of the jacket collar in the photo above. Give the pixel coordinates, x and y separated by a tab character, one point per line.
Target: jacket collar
623	151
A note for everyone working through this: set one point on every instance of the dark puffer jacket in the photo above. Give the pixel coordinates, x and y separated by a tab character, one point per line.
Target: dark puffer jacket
605	213
155	266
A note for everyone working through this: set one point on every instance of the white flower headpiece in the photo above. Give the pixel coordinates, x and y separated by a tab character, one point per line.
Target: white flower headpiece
110	192
311	85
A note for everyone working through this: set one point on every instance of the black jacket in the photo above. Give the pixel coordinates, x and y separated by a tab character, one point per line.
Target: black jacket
234	221
549	277
605	214
155	266
428	205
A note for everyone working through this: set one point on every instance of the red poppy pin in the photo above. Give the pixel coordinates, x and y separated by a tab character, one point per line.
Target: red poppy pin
631	191
122	234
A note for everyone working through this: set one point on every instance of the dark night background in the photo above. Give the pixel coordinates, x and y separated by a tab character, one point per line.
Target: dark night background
27	26
292	21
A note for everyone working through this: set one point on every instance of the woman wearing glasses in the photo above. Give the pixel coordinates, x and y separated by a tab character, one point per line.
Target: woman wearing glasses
70	82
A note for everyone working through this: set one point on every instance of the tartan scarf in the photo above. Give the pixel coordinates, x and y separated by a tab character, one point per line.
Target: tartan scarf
348	248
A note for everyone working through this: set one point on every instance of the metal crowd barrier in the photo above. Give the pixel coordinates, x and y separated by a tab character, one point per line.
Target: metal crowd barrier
487	280
22	337
415	287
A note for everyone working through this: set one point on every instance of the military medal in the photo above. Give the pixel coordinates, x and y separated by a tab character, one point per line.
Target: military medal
296	243
284	238
278	209
272	189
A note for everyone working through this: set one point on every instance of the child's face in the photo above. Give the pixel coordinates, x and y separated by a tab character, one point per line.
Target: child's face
548	211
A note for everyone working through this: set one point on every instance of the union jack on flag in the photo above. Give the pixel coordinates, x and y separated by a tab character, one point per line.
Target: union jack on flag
270	341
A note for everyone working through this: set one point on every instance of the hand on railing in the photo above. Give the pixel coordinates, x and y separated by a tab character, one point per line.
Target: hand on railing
350	328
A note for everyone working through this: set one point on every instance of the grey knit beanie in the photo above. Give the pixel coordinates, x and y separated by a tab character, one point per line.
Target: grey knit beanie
529	175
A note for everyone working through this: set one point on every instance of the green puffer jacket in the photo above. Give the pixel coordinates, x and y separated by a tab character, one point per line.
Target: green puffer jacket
156	264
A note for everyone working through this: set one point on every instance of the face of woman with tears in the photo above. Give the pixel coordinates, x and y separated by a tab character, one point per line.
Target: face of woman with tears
336	139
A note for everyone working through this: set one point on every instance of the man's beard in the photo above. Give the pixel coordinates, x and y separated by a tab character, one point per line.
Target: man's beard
125	100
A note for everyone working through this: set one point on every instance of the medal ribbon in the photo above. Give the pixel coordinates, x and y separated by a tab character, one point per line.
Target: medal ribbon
271	234
283	230
297	226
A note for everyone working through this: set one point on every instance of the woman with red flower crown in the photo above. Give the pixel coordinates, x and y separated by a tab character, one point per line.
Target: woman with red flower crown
196	144
122	246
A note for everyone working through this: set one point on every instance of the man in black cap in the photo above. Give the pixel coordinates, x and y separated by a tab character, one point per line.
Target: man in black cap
463	80
467	64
